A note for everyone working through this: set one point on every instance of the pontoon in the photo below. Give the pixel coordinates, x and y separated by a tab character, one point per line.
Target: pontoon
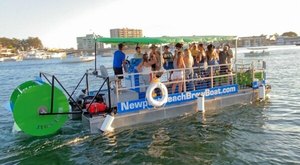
40	107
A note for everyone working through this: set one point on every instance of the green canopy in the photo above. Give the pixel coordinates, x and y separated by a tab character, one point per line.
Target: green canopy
164	40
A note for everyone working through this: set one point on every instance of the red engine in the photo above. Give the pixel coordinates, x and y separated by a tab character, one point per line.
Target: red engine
96	107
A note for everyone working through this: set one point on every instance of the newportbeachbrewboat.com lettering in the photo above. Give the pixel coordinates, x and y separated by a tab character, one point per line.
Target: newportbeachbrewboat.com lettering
141	104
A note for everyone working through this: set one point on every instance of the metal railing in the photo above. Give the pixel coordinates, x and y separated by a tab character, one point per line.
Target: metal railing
71	99
202	77
52	83
249	71
198	78
85	75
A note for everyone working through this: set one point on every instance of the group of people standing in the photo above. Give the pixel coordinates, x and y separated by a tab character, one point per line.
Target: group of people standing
183	58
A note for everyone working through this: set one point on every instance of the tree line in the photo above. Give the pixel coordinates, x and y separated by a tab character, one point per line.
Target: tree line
290	34
21	44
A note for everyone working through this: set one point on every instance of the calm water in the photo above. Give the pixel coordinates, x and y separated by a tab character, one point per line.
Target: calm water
260	133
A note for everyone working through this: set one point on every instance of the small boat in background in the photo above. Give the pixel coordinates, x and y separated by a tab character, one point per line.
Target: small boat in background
87	58
36	55
58	55
8	55
14	58
257	52
77	59
107	55
257	48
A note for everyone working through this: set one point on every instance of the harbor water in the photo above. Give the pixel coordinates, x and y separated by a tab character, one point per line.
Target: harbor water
257	133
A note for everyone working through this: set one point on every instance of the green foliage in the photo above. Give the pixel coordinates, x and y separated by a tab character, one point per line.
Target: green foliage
34	42
290	34
24	44
245	78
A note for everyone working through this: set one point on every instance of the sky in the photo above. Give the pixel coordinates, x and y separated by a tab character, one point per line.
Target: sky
58	22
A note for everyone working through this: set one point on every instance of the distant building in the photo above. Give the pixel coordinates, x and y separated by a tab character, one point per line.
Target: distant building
4	52
87	43
126	33
284	40
253	41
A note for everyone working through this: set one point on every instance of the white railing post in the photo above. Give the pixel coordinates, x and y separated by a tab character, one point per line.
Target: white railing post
161	57
184	80
235	51
201	103
236	73
117	89
252	69
212	76
264	65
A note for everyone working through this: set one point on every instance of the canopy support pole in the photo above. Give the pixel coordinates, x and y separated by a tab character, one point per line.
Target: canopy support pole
161	57
235	51
95	71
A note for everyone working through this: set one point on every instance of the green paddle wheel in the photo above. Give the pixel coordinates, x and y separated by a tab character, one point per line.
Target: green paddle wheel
30	100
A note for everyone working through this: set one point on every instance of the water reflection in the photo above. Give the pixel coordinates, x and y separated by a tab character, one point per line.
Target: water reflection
158	145
111	138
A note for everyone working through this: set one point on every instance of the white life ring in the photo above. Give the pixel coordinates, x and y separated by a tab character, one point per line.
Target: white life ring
164	91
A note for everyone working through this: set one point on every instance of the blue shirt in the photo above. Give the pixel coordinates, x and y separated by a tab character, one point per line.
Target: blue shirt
119	57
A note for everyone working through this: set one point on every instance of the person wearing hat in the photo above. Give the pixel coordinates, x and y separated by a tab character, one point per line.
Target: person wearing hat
156	54
118	62
178	48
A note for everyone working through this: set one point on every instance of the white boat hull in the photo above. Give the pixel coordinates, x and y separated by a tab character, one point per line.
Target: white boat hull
78	59
147	116
256	54
7	59
58	55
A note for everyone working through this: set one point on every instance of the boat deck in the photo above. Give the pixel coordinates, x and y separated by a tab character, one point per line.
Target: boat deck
133	109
